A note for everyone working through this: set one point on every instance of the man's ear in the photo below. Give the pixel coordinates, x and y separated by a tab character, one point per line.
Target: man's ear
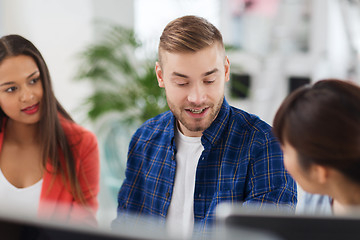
159	75
227	69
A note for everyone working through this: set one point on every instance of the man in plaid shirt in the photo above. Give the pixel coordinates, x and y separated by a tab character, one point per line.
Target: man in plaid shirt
184	162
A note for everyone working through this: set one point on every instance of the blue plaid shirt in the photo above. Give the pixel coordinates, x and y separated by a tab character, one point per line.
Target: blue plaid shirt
241	162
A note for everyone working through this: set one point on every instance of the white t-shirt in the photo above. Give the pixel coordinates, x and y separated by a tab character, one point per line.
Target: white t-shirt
180	217
24	201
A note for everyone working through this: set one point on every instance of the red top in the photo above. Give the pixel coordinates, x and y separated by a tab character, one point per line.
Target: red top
56	201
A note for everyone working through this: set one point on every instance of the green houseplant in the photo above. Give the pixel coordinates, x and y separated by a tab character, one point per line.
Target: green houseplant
125	95
121	82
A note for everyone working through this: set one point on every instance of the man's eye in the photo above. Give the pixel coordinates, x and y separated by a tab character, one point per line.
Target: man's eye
210	81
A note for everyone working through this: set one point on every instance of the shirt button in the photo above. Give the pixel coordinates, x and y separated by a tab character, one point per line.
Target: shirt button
199	195
167	195
172	157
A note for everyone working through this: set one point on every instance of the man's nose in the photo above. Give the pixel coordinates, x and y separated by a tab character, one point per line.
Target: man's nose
197	94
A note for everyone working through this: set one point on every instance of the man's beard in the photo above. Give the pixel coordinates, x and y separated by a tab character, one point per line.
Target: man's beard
200	124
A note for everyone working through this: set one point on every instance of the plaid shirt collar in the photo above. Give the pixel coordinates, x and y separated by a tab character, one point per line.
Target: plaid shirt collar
213	133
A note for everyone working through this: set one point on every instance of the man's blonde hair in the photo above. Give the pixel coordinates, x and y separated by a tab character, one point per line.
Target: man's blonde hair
188	34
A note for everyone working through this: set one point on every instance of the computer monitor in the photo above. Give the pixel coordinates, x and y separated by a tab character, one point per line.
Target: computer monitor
289	226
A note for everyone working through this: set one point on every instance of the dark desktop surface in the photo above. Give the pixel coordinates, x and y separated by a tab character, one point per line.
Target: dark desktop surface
292	226
15	228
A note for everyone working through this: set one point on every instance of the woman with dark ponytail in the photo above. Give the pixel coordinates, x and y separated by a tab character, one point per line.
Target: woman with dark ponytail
49	164
319	129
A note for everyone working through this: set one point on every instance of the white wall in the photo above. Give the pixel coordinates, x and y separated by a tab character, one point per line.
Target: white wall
59	29
116	11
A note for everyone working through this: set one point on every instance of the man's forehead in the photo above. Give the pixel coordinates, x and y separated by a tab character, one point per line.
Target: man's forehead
165	55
